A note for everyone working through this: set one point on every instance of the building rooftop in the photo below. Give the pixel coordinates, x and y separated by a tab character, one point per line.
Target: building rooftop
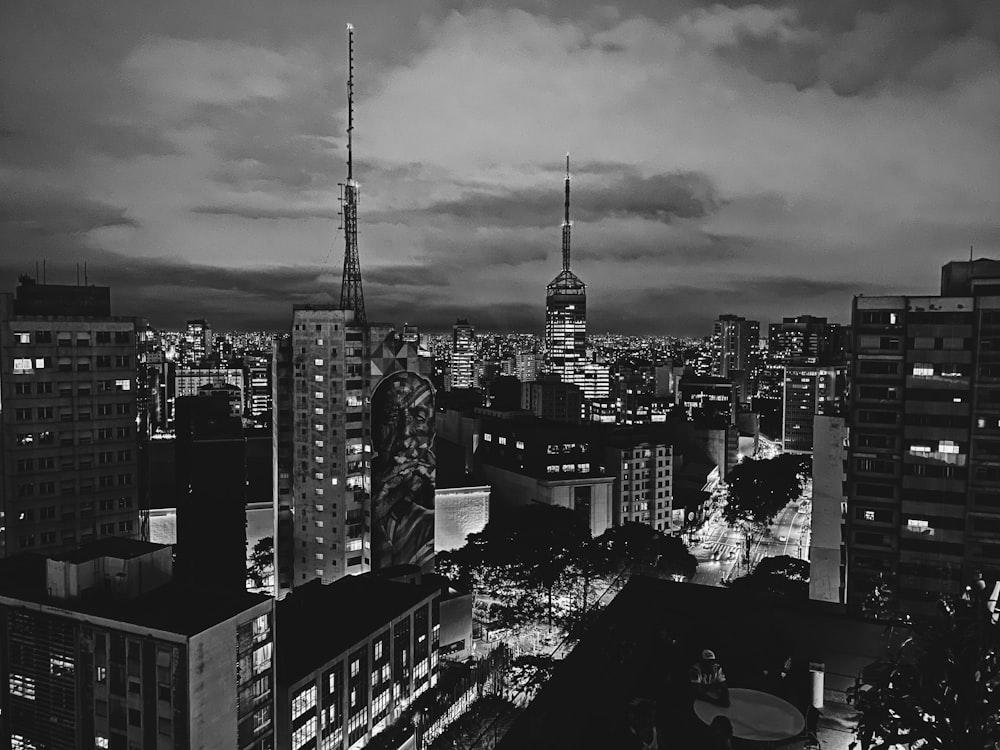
566	282
114	546
317	621
642	645
175	608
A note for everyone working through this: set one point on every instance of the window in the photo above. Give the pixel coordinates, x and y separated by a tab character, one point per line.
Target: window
922	370
123	385
262	658
22	366
101	741
22	686
262	718
519	445
23	337
304	700
487	437
502	440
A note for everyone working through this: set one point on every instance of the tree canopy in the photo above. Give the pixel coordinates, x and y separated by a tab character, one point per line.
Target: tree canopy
783	575
940	688
760	488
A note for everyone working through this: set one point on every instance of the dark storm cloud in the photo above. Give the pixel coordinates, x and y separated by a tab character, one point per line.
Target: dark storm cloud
250	212
690	310
54	214
662	197
860	47
706	248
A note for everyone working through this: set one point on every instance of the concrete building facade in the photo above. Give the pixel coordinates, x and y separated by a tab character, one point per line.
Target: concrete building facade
69	447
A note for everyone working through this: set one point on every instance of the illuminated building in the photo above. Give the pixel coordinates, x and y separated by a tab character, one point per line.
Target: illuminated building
68	412
197	343
103	649
353	655
923	509
809	390
462	371
566	314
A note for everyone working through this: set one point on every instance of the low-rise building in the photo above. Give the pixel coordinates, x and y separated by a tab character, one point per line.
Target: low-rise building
353	655
101	648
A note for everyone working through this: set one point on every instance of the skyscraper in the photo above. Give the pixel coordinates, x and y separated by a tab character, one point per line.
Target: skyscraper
566	314
197	344
68	440
923	509
735	342
462	373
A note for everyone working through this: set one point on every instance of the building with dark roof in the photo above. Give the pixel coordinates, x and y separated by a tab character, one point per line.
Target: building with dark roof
69	449
101	648
353	655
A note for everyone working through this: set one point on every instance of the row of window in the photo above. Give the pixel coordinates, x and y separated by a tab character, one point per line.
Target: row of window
66	338
28	387
28	365
69	487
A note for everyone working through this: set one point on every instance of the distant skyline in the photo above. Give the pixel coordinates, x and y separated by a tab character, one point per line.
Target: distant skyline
768	159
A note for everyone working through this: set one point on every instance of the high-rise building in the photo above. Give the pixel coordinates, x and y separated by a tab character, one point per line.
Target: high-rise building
211	468
462	371
923	509
595	380
809	390
331	443
68	440
197	343
102	648
806	339
566	314
735	341
527	366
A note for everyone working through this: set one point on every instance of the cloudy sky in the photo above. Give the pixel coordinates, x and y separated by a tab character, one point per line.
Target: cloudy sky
762	159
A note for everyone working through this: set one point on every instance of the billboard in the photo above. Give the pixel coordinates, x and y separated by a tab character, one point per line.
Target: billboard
403	468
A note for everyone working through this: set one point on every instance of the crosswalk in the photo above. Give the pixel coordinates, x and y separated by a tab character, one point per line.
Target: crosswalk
722	547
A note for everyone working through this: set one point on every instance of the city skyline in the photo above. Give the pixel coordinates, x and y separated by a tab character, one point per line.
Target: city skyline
760	160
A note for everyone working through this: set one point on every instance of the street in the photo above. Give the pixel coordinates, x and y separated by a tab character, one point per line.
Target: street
719	553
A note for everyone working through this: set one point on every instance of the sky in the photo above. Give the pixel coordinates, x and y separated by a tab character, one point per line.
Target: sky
764	159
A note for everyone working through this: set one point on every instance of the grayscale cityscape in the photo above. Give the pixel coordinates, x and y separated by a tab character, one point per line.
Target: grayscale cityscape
447	375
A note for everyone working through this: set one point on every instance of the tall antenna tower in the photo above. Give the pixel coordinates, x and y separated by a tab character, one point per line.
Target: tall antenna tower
566	223
352	297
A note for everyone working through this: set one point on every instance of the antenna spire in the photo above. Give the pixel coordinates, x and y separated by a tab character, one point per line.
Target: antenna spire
352	295
566	223
350	100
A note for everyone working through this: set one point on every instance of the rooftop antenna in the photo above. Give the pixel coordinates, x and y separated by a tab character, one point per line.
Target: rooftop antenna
970	253
566	223
351	293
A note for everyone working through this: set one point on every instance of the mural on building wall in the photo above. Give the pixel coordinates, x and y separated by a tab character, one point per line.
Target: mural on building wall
403	468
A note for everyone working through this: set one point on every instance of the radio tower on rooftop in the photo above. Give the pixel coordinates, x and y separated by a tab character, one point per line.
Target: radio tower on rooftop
352	297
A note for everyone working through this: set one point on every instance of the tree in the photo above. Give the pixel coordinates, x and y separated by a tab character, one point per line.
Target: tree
783	575
940	688
261	564
758	490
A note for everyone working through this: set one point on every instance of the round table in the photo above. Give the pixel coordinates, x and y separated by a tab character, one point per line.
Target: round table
755	715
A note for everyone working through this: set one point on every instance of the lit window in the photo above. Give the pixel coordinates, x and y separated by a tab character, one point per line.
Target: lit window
260	628
920	449
22	686
319	444
60	665
487	437
583	467
318	475
123	385
919	526
519	445
22	366
552	468
262	658
319	524
318	459
318	378
318	394
100	741
319	508
869	515
23	338
923	370
378	650
318	362
569	467
333	481
502	440
319	342
318	411
355	667
947	446
319	490
319	555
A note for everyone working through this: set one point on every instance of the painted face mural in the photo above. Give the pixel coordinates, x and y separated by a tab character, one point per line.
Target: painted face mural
403	471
